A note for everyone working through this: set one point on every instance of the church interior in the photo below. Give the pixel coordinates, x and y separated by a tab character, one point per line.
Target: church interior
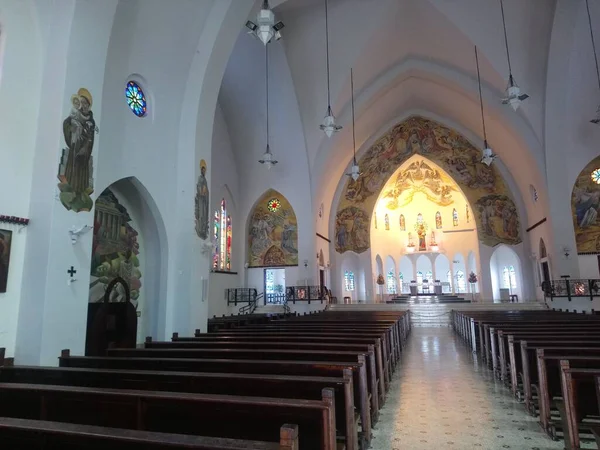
385	209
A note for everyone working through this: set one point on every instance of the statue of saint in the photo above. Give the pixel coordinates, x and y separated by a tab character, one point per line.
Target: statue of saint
201	210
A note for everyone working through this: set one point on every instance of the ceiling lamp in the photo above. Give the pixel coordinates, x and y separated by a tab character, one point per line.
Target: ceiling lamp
265	27
488	155
328	125
513	92
267	158
354	170
595	120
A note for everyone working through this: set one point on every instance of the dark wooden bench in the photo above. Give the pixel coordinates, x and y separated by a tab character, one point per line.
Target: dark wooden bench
27	434
242	366
248	418
277	386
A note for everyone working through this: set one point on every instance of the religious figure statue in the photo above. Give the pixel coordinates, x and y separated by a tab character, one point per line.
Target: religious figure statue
76	167
201	210
422	235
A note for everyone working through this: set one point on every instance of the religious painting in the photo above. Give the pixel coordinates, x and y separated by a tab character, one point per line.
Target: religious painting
201	203
115	251
273	232
5	244
499	218
585	204
402	223
420	155
352	230
386	220
438	220
76	168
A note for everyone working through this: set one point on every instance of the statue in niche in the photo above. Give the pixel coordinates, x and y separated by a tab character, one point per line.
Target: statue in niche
75	172
421	229
202	200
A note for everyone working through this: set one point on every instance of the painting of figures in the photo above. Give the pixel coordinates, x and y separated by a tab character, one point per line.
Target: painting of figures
75	172
115	251
585	205
420	155
273	232
201	203
5	243
352	230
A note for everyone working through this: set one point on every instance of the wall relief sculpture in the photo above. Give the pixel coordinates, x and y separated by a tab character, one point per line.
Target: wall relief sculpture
483	186
76	168
201	203
273	232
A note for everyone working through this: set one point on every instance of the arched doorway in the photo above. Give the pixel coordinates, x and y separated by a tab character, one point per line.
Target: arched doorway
505	270
424	276
459	274
406	273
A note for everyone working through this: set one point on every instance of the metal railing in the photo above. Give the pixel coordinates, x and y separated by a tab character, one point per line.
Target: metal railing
304	294
236	296
251	306
571	288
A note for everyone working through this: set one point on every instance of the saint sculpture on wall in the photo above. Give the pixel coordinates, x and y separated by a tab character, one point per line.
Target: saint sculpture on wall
76	167
202	200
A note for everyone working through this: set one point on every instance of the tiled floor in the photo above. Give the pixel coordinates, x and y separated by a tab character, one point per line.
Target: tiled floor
441	398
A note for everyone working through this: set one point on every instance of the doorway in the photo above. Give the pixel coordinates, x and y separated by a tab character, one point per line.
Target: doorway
545	272
322	279
274	280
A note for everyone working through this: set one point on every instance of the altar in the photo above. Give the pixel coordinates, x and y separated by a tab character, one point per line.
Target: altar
429	288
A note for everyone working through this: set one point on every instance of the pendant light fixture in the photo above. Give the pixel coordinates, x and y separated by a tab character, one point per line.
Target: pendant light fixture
328	125
488	155
265	27
267	158
354	170
513	92
595	120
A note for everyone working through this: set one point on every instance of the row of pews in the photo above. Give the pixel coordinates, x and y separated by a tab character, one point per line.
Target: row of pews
294	383
550	360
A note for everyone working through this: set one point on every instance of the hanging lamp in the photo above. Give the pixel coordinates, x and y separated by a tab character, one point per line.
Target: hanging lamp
513	91
328	126
267	158
265	27
354	170
488	155
595	120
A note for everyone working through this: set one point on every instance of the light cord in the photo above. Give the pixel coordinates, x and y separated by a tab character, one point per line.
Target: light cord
327	51
353	134
587	4
505	38
480	95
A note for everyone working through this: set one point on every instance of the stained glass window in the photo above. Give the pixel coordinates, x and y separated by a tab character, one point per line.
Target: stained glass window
400	282
449	279
461	284
391	282
274	204
420	281
222	239
429	276
349	280
455	217
509	279
596	176
387	222
136	100
438	220
467	214
402	223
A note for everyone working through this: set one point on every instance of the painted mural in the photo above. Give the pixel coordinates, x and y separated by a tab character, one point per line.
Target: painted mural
455	155
115	251
585	205
273	232
76	168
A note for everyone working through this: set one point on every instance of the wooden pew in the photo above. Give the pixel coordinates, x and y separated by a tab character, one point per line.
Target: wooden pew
241	366
27	434
277	386
254	418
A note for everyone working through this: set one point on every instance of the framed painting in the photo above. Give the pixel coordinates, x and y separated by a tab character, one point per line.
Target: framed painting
5	243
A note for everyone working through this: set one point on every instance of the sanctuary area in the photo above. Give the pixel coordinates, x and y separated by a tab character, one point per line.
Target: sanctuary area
332	212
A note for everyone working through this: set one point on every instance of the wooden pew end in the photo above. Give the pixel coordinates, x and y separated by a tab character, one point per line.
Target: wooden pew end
288	437
65	353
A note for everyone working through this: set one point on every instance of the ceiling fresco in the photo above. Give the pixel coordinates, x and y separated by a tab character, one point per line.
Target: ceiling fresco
491	201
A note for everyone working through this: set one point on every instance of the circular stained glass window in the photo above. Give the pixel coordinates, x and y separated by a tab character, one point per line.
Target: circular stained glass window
136	99
596	176
274	204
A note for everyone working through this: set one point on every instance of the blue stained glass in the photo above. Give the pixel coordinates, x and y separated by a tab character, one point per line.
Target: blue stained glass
596	176
136	100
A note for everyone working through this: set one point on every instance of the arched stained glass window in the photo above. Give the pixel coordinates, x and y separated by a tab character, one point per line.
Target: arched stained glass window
449	279
455	217
391	282
461	283
429	276
387	222
136	100
400	282
349	281
222	238
402	223
509	277
438	220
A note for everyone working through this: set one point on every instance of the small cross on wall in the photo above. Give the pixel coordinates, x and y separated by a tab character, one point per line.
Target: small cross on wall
72	271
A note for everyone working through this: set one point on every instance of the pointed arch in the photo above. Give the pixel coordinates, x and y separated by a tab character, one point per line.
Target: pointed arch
585	201
543	251
272	232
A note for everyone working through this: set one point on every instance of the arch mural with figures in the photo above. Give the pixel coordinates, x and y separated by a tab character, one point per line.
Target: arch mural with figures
493	207
585	203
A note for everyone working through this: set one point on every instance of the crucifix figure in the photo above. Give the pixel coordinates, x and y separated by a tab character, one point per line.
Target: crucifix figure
72	271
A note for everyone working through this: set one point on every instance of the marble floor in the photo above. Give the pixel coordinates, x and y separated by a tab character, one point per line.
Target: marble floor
442	398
